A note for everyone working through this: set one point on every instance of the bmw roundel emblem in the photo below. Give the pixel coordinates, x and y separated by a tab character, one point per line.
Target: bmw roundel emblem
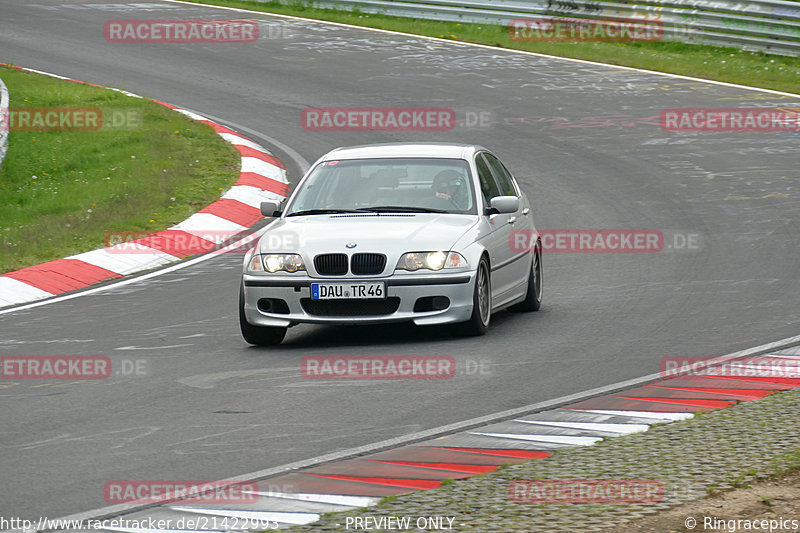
350	245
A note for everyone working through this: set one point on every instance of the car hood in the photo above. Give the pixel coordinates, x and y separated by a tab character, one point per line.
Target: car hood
385	232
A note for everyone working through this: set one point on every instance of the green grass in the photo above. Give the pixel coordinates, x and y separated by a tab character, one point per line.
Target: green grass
61	191
716	63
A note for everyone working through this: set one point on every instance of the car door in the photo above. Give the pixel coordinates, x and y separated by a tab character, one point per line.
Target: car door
512	272
497	241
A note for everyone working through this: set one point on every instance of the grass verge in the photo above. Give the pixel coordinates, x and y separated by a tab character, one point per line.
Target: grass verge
61	191
715	63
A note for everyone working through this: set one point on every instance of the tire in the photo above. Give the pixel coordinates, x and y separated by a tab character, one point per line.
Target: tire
533	296
478	323
258	335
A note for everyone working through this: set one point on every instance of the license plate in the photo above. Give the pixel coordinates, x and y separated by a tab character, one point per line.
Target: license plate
347	291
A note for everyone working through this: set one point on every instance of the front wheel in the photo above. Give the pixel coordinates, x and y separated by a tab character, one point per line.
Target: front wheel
478	323
258	335
533	297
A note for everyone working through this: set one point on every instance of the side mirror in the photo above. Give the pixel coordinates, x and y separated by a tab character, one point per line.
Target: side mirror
503	205
271	208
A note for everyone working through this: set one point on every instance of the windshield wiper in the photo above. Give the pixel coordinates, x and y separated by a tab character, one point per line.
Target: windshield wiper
321	212
400	209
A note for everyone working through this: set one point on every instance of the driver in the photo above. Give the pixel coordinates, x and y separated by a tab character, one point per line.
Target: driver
450	185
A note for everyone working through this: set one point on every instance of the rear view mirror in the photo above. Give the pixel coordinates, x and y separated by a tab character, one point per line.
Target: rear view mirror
271	208
504	204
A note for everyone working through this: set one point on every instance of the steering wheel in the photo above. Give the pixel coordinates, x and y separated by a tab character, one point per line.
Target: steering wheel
442	198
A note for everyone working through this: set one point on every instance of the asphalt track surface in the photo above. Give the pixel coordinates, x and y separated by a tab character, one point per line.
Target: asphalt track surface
211	407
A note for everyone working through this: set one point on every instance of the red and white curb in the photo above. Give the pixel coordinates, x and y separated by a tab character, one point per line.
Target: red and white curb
262	177
4	120
305	494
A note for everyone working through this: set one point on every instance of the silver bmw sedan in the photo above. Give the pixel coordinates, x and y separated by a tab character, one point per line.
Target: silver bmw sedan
431	233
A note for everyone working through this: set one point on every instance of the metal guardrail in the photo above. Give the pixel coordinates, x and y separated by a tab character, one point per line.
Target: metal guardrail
771	26
4	120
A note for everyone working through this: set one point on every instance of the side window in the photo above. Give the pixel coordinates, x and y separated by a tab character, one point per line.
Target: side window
503	176
488	185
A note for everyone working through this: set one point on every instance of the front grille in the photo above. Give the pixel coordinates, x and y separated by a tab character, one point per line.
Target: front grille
331	264
386	306
366	264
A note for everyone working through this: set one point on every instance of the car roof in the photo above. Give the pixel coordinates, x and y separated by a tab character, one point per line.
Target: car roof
405	149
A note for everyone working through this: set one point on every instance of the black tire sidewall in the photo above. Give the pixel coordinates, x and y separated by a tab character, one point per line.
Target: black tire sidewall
475	326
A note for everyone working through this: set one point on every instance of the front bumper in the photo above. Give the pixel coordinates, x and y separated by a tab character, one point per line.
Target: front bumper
403	290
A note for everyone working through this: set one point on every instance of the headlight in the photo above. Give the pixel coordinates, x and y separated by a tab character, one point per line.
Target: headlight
430	260
276	262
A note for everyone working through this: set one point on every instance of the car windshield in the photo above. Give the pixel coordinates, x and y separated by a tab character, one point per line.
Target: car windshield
414	185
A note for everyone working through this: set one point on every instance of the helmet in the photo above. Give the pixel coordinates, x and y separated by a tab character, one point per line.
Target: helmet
451	184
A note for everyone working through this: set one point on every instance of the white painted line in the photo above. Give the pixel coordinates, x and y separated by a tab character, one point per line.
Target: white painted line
49	74
160	347
608	427
191	114
641	414
81	82
334	499
494	49
791	351
287	517
569	440
126	93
